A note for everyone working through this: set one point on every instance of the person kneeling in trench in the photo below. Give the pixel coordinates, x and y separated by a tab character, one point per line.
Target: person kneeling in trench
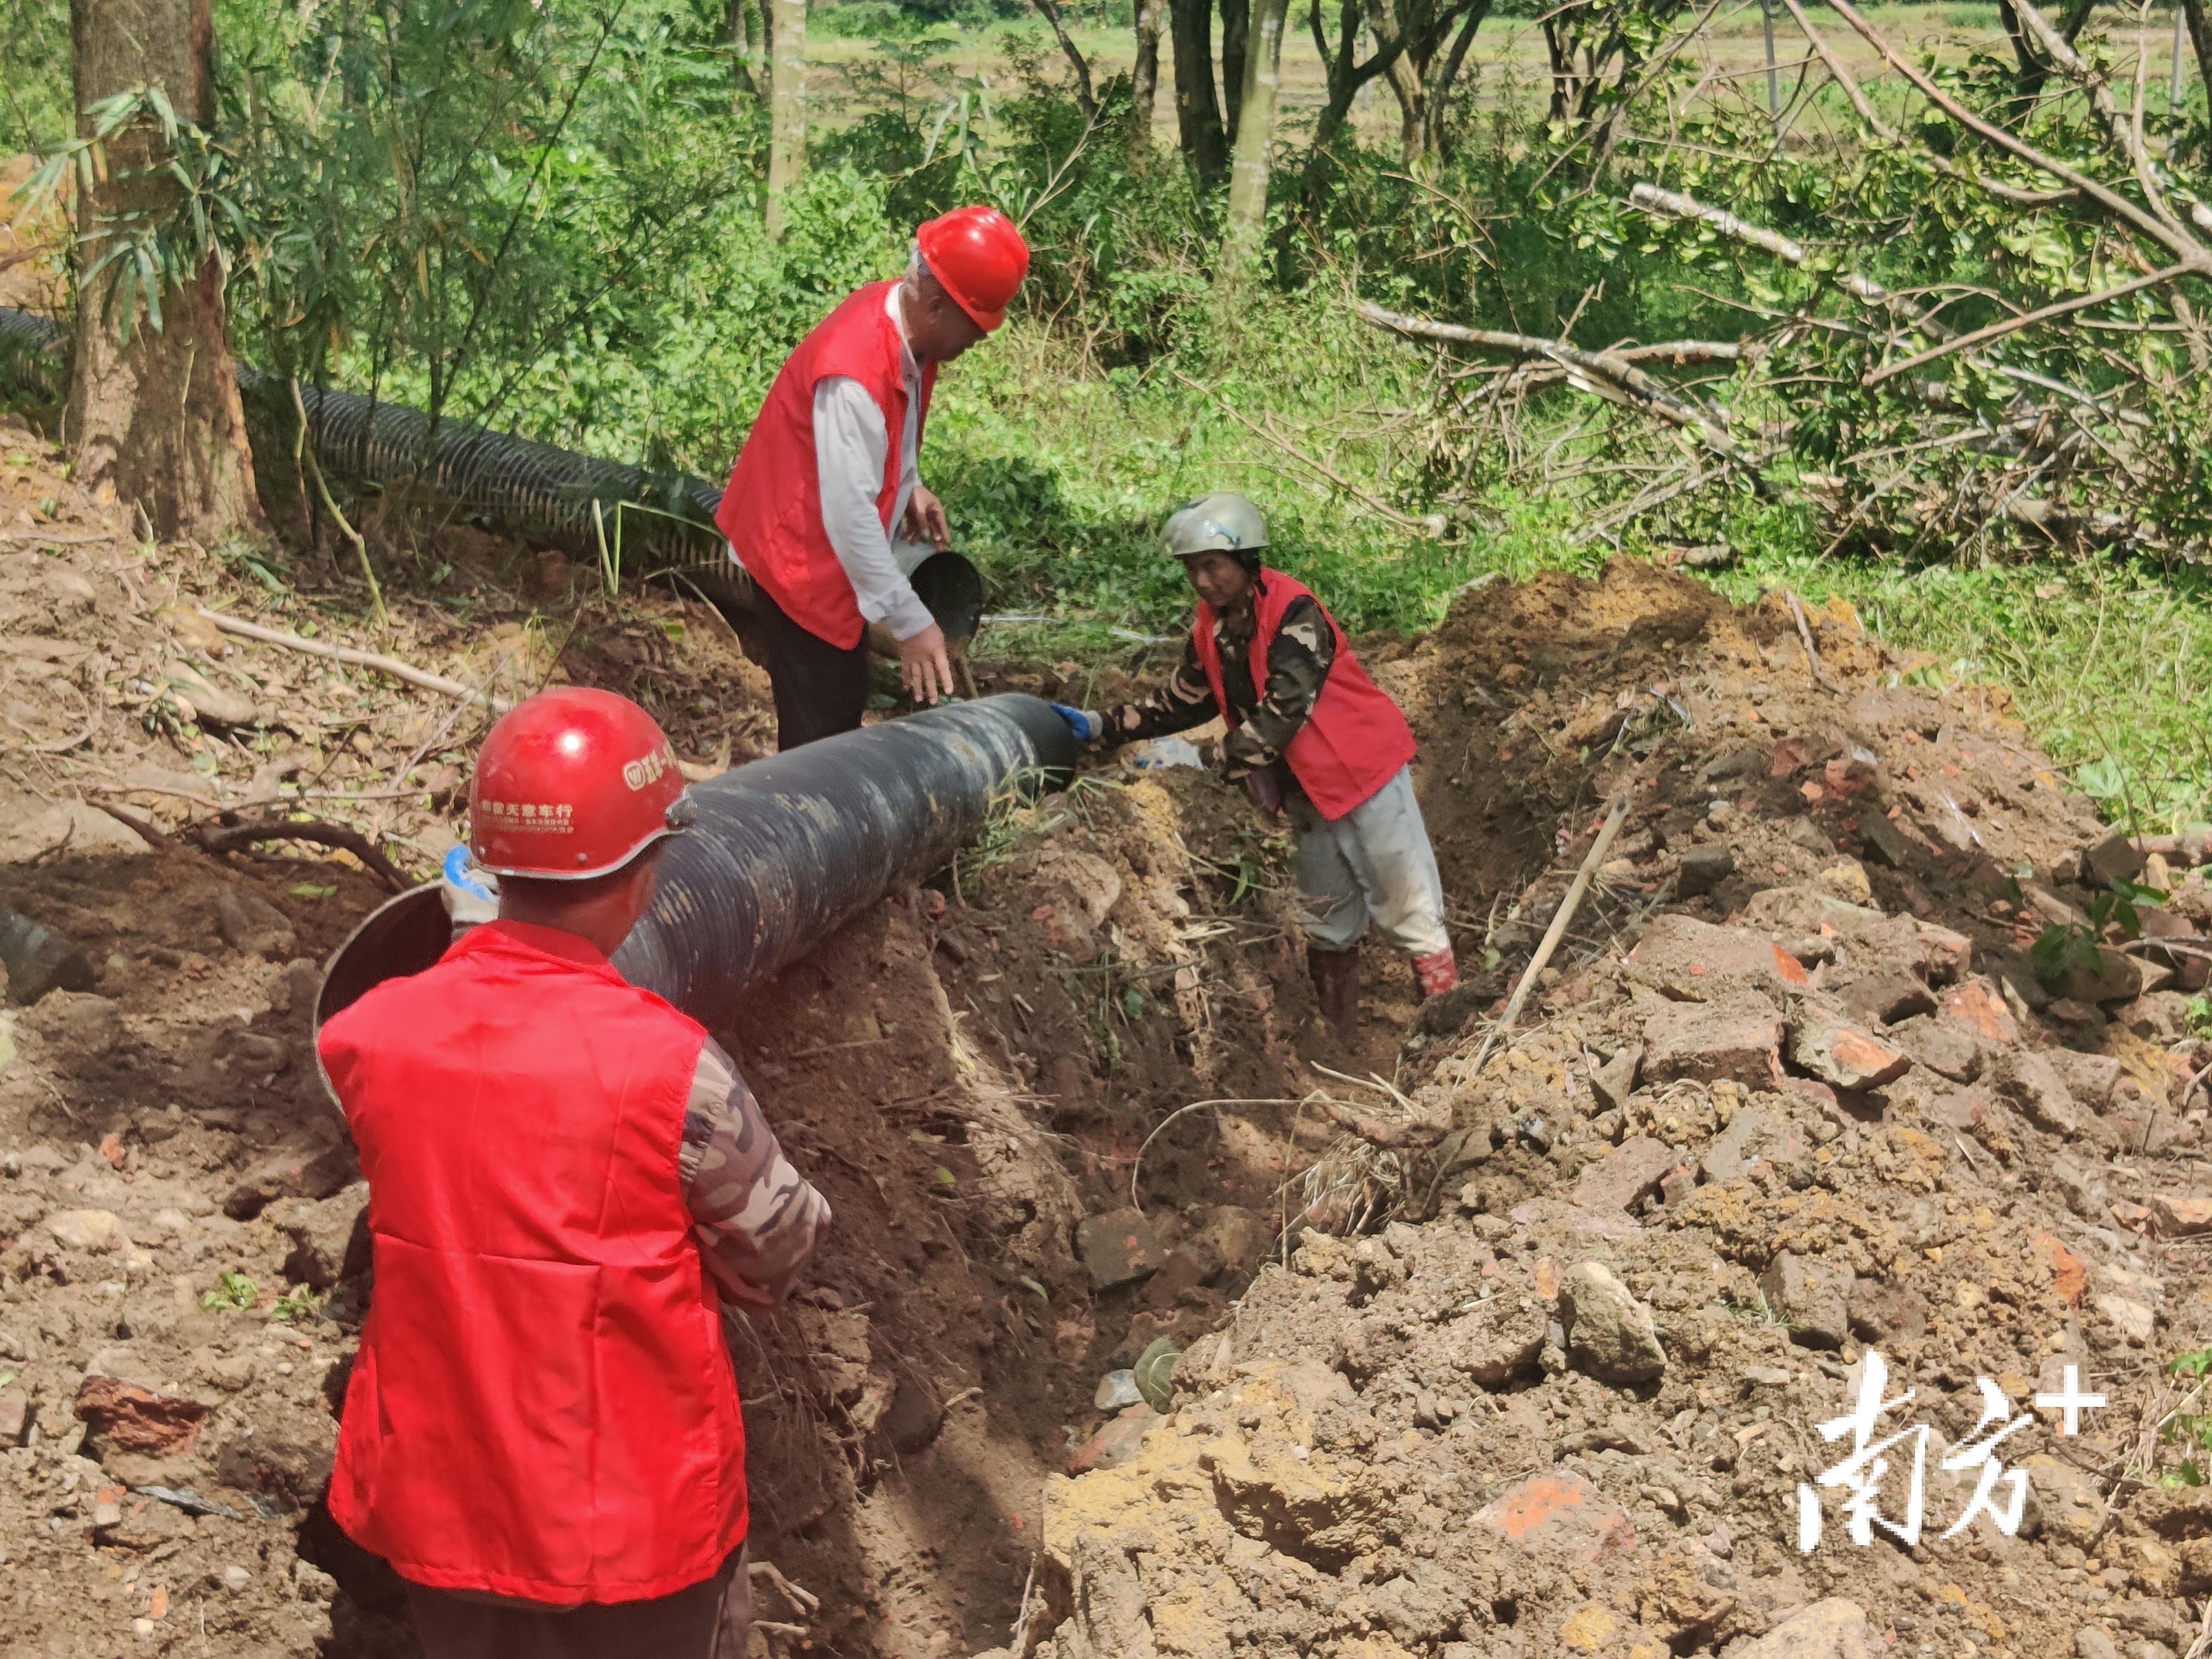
1308	734
567	1179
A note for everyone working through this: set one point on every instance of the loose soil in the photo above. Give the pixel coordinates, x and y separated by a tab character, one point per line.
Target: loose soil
1513	1356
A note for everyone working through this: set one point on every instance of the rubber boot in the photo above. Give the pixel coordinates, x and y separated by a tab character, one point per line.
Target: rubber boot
1435	974
1336	988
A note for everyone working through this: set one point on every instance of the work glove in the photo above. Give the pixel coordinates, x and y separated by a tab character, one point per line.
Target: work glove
471	892
1088	725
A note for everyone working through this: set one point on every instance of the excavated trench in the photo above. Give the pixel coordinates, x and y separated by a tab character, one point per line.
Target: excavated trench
971	1068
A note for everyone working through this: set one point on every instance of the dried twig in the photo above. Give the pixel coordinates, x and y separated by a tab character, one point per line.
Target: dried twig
382	664
1560	918
304	452
1805	638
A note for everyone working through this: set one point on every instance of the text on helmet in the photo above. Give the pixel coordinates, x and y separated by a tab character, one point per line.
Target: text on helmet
647	768
541	816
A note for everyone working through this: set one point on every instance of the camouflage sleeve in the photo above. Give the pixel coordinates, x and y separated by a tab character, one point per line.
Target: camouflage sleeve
755	1218
1298	660
1186	701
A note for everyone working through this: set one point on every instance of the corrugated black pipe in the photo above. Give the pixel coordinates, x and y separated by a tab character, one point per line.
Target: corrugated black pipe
786	850
545	492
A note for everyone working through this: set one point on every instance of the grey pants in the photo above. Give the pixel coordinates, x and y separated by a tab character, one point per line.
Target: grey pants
1374	865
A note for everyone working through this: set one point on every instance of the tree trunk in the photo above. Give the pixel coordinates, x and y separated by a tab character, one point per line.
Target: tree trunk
743	89
1198	114
1145	78
1236	23
786	153
2199	18
1447	77
1255	131
1404	74
154	422
1085	99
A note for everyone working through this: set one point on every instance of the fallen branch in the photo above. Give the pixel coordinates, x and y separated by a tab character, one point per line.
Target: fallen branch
1680	353
2013	324
1560	918
49	539
382	664
1602	374
1784	248
1882	129
219	839
2177	241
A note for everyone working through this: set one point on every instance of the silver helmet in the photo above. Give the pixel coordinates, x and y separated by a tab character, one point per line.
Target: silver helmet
1223	522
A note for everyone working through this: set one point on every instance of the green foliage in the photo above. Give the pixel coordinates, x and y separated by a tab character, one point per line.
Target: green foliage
188	212
233	1291
299	1304
2064	945
2187	1428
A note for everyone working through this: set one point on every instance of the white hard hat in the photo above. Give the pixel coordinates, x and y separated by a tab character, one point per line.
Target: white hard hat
1223	522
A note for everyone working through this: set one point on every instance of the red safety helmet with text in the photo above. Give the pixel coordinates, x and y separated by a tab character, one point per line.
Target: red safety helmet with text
978	257
571	784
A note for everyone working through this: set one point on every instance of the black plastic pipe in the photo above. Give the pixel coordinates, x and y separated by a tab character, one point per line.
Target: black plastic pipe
553	495
785	851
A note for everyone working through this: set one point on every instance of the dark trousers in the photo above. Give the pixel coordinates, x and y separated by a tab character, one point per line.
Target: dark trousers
820	688
708	1621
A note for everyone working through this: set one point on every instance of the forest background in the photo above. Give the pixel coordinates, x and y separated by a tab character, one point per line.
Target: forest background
1903	305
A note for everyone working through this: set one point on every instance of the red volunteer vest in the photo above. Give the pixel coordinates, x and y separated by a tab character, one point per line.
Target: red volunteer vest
543	1405
772	508
1354	741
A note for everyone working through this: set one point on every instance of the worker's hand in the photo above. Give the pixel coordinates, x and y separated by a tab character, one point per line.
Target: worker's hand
1266	790
923	665
925	521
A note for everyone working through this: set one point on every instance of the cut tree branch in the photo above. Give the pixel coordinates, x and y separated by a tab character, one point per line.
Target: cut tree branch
1882	129
1602	374
2176	240
2013	324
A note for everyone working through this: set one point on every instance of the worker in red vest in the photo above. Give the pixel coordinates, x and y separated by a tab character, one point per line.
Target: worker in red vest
825	508
567	1181
1308	732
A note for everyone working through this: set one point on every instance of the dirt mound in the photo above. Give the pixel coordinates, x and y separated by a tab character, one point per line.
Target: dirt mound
1066	1100
1798	1098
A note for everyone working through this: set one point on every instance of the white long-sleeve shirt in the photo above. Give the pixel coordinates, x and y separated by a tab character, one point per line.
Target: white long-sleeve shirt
851	445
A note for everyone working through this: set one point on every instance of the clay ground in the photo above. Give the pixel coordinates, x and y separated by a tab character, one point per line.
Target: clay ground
1633	1256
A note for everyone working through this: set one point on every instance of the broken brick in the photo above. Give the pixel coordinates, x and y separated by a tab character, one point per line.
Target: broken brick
125	1417
2069	1277
1117	1248
1979	1007
1562	1511
1886	999
1707	1042
1843	1055
1683	956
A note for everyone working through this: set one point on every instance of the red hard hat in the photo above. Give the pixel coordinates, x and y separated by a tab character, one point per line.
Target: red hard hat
571	784
978	257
